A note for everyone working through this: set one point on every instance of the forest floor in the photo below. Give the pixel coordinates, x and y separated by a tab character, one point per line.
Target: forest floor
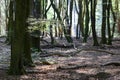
63	61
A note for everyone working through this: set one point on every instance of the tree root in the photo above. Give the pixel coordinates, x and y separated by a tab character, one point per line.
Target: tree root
77	52
53	54
31	71
57	45
45	41
115	63
76	66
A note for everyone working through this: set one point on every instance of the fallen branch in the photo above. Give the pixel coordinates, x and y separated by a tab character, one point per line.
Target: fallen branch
98	50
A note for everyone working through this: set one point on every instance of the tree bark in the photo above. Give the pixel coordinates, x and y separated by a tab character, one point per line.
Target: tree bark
93	21
18	42
103	29
86	31
108	23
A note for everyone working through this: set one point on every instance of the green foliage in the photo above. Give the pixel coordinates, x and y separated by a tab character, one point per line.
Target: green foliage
41	25
37	26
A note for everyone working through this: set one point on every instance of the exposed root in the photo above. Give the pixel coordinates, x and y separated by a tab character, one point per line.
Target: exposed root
68	67
31	71
45	41
77	52
55	54
76	66
57	45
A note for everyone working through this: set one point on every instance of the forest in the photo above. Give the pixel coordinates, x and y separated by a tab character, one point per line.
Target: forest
59	40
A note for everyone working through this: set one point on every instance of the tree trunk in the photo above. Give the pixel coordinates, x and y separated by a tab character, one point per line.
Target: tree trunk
70	25
10	23
103	29
80	25
86	21
20	48
93	20
27	52
108	23
51	35
114	18
17	43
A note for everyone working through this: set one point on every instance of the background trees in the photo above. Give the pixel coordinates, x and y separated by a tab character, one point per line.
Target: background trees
69	12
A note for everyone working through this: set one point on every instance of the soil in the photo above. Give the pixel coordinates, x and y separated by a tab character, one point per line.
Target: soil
66	61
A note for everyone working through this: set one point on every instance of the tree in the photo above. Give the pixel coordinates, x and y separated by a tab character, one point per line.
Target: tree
70	25
114	14
93	19
10	23
109	41
35	34
80	25
3	17
27	39
86	30
103	29
17	38
67	36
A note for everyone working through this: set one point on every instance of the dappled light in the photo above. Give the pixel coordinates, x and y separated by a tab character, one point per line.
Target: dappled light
59	40
84	64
